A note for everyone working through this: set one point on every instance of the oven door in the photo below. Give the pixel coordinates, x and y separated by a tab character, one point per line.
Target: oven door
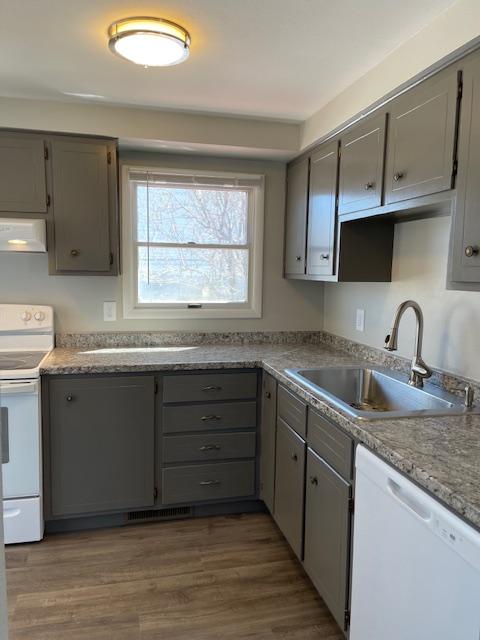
20	433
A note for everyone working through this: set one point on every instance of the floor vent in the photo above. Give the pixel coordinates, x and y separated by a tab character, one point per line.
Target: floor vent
159	514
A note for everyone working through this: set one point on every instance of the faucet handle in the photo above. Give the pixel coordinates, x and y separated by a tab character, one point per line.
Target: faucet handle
469	396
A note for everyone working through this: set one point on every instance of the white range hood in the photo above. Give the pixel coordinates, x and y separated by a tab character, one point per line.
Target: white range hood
17	234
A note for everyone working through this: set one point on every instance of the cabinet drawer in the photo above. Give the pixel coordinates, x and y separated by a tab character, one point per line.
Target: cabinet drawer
210	417
196	448
209	386
292	411
330	443
208	482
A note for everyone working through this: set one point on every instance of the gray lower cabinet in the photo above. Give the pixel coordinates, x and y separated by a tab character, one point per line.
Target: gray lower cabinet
22	174
296	217
361	166
99	444
289	485
268	440
322	199
84	206
421	139
327	534
465	246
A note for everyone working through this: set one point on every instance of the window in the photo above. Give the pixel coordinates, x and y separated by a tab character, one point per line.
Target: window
192	244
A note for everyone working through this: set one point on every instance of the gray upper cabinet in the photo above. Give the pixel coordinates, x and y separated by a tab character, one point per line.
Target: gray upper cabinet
421	139
465	257
100	444
22	174
322	211
289	486
296	218
361	166
84	205
327	534
267	441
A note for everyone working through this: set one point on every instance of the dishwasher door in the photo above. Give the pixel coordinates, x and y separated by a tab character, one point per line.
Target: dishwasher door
416	566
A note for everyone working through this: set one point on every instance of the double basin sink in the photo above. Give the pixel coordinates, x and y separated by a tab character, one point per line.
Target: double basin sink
374	393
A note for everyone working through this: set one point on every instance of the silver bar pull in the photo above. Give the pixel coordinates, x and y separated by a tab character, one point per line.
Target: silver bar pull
212	387
4	435
209	483
210	418
210	447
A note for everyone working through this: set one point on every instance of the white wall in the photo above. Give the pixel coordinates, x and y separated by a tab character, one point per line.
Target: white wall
452	318
78	301
450	31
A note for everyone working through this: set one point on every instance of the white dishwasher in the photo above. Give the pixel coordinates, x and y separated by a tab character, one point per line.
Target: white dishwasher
416	566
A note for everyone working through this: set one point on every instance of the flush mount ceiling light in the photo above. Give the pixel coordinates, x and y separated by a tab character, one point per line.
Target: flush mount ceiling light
151	42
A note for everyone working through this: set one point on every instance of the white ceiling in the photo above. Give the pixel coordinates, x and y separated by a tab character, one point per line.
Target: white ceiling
265	58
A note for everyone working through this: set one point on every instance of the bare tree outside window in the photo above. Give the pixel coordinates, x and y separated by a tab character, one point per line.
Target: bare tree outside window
192	244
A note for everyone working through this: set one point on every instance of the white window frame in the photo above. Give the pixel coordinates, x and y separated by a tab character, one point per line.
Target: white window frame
250	309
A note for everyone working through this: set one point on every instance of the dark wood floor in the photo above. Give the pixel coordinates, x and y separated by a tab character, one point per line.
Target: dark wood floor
223	578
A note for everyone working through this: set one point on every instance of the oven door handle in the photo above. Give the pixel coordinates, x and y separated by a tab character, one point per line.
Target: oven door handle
10	388
4	435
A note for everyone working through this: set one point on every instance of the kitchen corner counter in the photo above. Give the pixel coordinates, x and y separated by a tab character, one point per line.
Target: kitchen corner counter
442	454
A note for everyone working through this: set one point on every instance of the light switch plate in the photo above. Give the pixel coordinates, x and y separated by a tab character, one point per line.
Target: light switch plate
110	311
360	320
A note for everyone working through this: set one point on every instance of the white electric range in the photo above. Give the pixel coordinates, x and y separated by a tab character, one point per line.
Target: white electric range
26	338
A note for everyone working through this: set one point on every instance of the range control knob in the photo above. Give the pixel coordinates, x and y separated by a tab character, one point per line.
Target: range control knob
39	315
26	316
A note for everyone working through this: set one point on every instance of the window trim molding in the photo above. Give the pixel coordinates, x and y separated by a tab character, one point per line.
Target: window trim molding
251	309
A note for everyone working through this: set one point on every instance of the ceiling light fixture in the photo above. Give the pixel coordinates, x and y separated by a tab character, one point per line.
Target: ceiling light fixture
150	42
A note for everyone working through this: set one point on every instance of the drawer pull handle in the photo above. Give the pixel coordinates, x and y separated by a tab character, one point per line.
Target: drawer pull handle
210	417
313	480
294	457
212	387
210	447
324	256
209	483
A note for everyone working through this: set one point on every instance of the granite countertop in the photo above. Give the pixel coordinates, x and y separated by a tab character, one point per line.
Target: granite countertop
442	454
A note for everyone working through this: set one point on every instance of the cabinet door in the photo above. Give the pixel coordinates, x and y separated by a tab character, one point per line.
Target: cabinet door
327	534
421	139
101	444
267	441
289	486
81	205
22	174
296	218
322	200
361	166
465	257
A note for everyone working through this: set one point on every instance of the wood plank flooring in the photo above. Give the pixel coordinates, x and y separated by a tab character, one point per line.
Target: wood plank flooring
222	578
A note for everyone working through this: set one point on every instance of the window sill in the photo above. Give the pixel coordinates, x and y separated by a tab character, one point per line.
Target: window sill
186	314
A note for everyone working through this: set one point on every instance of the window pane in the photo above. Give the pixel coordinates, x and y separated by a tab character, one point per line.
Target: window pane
171	275
204	216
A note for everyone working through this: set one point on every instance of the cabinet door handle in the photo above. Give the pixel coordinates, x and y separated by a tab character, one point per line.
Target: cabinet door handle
74	253
294	457
398	176
209	418
210	447
298	258
369	186
69	398
324	256
268	395
471	251
212	387
209	483
313	480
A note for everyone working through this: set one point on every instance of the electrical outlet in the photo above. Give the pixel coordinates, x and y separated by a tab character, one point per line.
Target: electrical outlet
360	320
109	311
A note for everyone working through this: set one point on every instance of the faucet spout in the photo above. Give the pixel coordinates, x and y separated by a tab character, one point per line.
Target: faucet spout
419	370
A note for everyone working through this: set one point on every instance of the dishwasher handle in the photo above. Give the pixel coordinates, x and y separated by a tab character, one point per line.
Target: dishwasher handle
11	388
412	503
4	435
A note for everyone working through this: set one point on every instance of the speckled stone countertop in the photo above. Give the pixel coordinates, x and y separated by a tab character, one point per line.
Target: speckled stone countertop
442	454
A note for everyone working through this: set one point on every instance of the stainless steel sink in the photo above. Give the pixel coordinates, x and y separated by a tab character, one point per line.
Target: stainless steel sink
373	393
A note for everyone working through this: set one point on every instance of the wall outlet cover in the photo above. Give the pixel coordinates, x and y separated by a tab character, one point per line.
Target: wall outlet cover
360	320
109	311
